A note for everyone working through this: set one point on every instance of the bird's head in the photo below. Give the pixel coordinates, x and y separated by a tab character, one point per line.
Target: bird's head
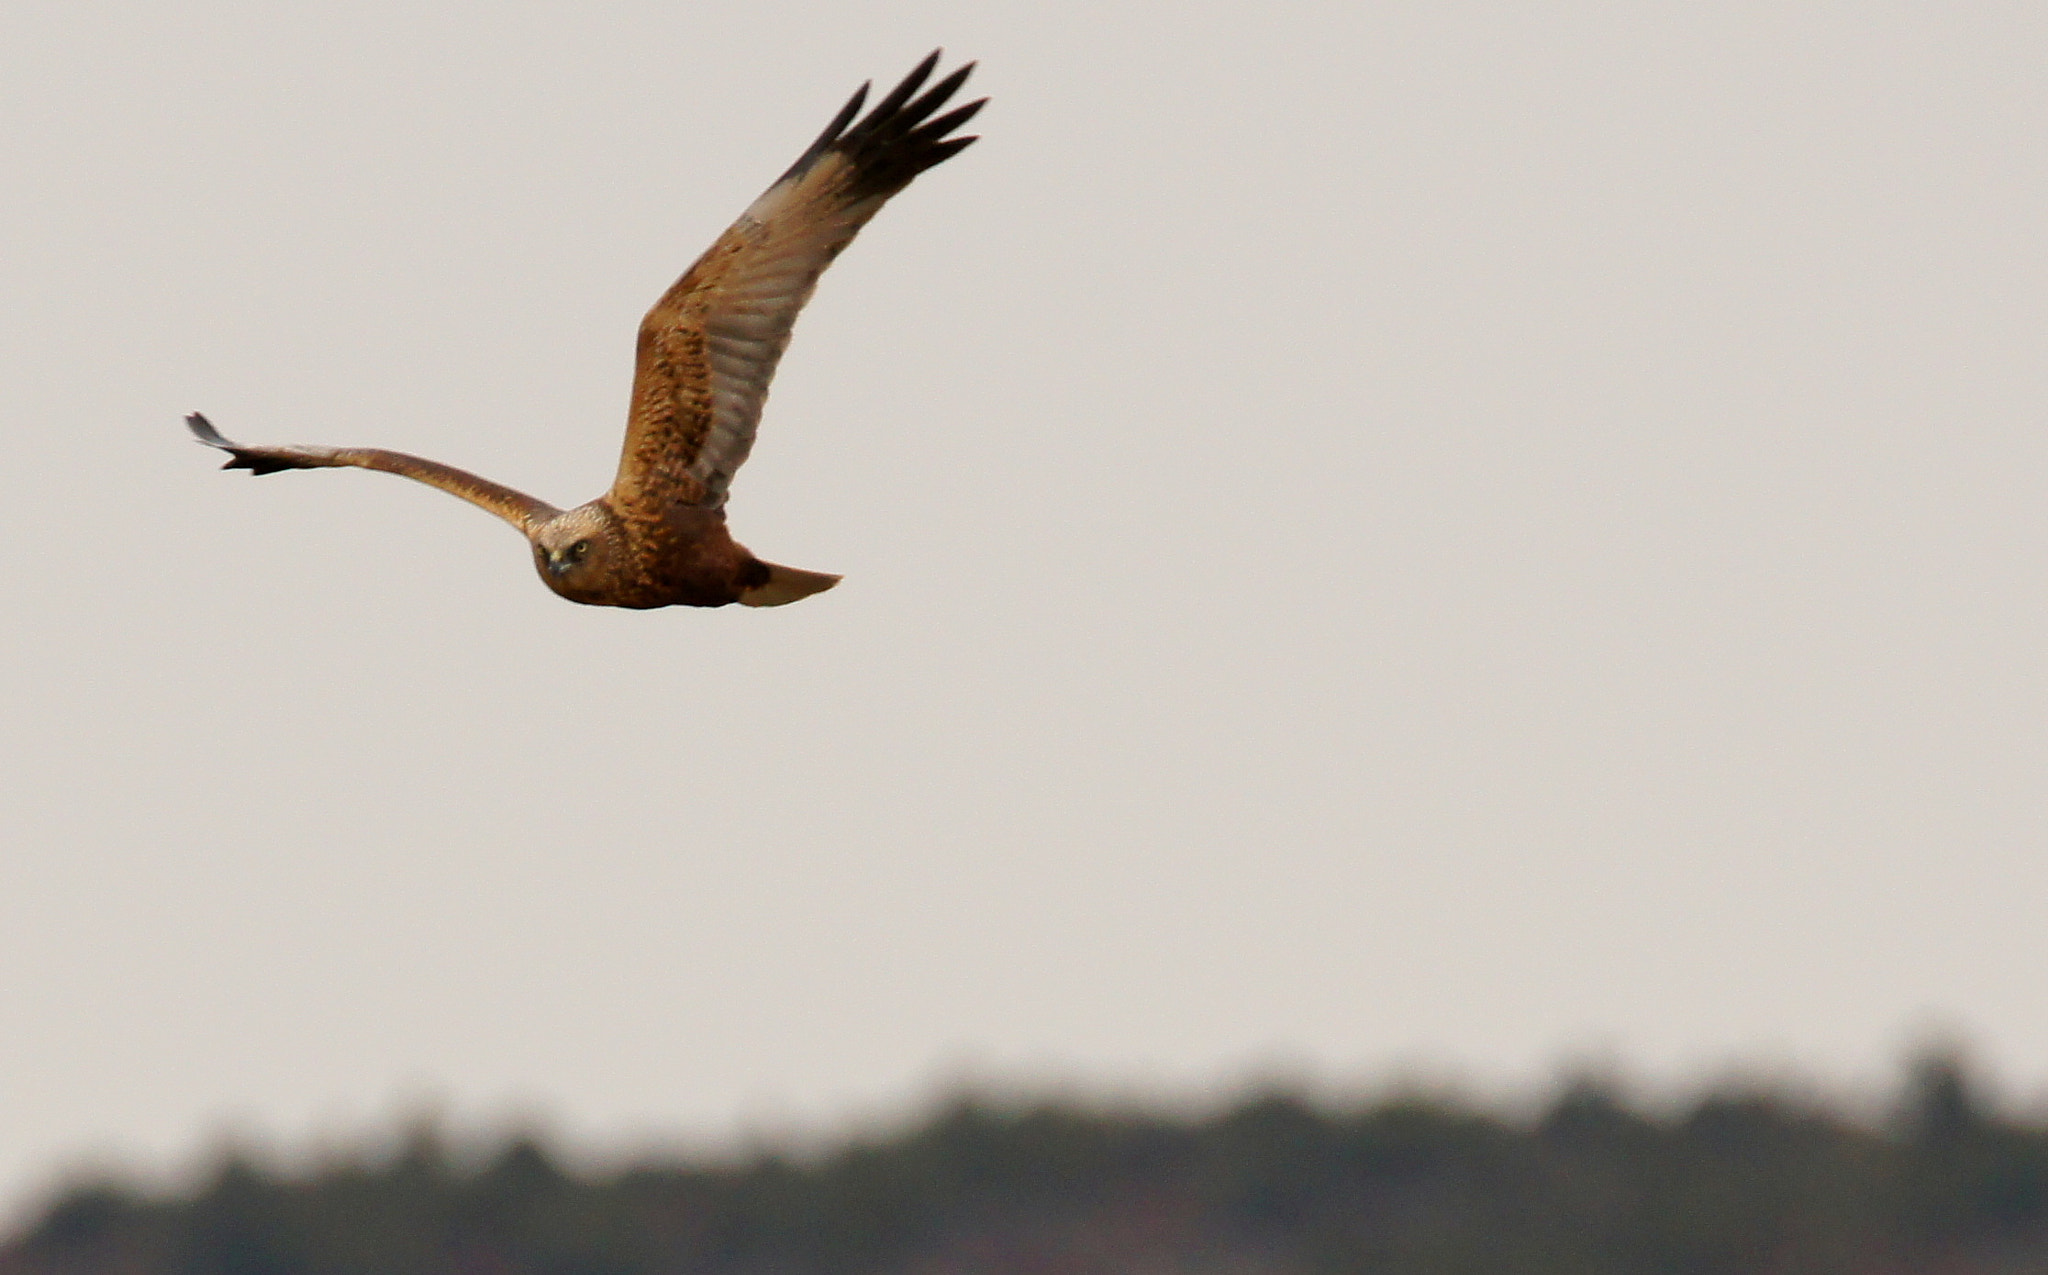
575	551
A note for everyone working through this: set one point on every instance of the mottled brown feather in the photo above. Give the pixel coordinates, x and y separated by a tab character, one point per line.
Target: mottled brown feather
706	353
710	345
515	507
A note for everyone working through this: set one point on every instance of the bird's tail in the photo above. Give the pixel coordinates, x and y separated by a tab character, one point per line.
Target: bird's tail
785	585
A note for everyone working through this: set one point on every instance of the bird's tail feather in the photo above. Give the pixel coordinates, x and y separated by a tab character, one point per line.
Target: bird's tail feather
785	585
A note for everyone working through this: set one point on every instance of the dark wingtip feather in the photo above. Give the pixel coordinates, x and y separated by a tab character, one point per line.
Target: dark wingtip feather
203	430
899	139
953	146
831	134
911	84
939	92
238	457
937	129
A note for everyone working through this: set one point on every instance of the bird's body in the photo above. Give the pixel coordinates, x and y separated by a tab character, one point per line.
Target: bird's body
707	351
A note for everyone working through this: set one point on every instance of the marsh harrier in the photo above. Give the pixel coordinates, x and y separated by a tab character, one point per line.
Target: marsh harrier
707	350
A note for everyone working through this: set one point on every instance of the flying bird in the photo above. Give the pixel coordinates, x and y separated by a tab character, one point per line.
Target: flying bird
706	353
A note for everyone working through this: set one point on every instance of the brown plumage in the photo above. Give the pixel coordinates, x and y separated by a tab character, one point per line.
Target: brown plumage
707	351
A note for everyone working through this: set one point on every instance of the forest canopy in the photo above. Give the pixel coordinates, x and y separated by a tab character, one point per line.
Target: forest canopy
1744	1180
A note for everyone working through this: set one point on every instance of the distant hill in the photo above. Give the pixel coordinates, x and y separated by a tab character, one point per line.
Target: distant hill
1747	1182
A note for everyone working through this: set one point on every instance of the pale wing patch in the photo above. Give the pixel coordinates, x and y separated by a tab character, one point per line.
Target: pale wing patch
748	322
709	347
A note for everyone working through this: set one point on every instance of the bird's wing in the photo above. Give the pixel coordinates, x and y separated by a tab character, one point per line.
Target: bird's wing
709	346
517	508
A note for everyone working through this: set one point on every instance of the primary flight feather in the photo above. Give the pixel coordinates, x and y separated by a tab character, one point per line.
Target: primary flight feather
706	353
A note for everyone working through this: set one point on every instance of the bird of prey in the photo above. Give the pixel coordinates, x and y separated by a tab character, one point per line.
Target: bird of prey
706	352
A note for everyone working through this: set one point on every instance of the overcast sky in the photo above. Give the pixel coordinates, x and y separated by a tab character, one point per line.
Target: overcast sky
1377	536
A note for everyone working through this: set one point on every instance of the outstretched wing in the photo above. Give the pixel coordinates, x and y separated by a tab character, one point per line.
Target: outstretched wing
709	346
517	508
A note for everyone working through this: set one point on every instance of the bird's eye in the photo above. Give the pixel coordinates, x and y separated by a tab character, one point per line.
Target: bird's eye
578	551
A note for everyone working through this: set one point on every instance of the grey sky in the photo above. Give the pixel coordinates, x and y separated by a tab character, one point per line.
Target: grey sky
1376	535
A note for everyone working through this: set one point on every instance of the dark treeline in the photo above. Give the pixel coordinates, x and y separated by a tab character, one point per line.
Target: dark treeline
1748	1182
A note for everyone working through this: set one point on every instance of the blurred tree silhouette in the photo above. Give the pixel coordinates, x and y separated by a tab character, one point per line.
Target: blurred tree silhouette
1744	1182
1971	1181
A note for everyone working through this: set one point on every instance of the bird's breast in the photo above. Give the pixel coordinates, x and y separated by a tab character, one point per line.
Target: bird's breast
683	557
